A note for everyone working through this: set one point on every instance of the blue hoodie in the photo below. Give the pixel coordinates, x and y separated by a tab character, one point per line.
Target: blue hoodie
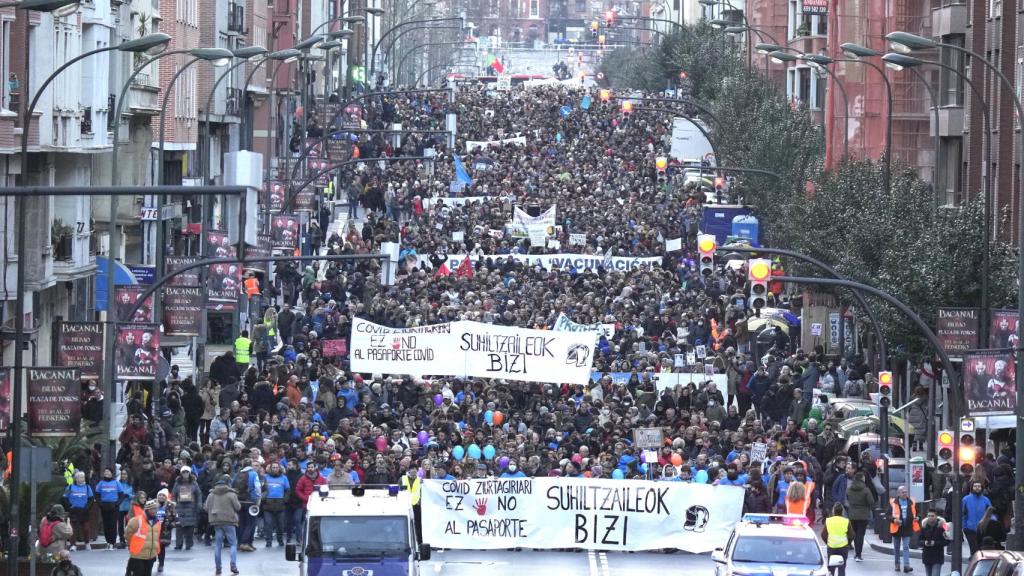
974	506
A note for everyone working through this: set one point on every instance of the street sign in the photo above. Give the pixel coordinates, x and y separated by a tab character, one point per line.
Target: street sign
816	329
648	437
166	212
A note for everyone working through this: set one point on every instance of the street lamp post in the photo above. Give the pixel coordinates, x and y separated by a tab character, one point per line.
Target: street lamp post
905	42
889	63
138	45
417	48
393	29
905	61
726	23
368	67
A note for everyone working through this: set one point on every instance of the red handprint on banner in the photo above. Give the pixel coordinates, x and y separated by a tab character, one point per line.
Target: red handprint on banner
481	506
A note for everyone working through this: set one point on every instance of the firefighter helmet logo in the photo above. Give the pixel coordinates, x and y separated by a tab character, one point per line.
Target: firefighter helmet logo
578	354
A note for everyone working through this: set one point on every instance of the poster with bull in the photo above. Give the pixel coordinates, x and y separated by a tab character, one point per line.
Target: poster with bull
223	283
272	196
137	351
262	249
125	298
54	402
188	278
80	345
1003	332
284	231
318	171
989	383
183	310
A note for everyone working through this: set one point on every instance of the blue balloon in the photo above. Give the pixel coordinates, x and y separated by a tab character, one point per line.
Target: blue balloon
474	451
617	474
489	417
458	452
489	452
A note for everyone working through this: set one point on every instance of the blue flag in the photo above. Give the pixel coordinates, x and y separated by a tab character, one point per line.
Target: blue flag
460	172
565	111
585	103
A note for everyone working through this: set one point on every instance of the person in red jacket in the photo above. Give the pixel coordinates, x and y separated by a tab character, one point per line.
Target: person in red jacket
303	489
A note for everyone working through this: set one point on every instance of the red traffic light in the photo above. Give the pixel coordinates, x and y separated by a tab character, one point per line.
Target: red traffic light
719	182
683	75
609	16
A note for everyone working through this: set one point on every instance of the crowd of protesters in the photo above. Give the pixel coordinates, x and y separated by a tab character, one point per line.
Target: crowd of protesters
274	419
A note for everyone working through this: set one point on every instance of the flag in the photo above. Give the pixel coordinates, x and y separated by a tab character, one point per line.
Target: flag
465	270
443	271
460	172
607	262
585	103
492	61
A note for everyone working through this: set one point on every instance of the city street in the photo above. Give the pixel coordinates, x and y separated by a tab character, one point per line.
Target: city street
263	562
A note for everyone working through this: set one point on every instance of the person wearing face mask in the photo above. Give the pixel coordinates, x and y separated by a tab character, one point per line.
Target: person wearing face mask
513	471
143	535
110	495
411	482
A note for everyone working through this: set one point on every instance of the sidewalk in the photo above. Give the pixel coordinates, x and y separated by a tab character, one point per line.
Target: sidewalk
876	544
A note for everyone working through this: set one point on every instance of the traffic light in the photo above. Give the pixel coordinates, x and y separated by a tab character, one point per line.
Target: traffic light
706	245
600	39
884	389
759	272
605	95
719	183
683	75
968	452
945	448
627	107
609	18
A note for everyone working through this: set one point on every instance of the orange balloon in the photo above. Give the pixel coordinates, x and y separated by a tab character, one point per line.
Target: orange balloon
677	460
498	418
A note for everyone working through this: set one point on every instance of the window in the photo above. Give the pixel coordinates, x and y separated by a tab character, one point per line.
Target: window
801	24
951	86
951	149
805	88
581	6
534	8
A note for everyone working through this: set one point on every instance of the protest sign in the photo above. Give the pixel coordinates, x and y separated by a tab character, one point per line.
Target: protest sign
80	345
54	402
472	145
648	437
595	514
137	351
564	324
523	223
671	379
577	239
473	349
758	451
334	348
578	262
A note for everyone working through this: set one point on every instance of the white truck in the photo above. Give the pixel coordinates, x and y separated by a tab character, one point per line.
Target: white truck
359	531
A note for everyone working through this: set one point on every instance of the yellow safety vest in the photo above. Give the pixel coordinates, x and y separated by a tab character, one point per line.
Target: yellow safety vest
838	527
413	488
69	474
242	347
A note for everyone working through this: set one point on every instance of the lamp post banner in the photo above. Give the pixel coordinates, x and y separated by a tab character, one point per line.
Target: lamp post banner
224	281
183	310
989	383
1003	332
137	351
957	329
80	345
125	298
284	231
605	514
54	402
188	278
273	195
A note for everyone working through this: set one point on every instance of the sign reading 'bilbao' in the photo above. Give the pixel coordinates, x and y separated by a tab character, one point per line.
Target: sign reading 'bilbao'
80	345
500	513
54	402
473	349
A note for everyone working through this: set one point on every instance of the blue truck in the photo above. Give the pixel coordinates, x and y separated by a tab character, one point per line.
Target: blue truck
727	221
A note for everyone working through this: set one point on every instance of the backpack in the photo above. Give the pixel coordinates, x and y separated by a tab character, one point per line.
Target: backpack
46	532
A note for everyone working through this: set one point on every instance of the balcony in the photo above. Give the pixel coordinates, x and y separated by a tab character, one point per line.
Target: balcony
236	19
143	97
233	102
949	19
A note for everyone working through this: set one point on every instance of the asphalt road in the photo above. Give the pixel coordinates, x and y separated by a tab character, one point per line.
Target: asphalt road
263	562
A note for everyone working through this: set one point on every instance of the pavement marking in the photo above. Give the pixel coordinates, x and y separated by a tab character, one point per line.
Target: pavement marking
592	558
604	564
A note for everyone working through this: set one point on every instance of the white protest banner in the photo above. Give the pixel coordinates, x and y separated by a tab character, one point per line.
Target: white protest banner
671	379
429	203
458	236
418	351
556	261
577	239
472	145
523	223
473	349
564	324
673	245
538	236
544	513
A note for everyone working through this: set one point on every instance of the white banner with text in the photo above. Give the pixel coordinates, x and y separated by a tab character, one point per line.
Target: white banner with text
557	261
473	349
578	513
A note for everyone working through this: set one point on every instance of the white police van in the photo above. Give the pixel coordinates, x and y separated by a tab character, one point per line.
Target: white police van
773	544
359	531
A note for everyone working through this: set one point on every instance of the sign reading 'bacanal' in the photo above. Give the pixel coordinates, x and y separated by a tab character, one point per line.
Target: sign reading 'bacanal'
579	513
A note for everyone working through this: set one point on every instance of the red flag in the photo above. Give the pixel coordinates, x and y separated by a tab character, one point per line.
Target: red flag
465	270
443	271
498	66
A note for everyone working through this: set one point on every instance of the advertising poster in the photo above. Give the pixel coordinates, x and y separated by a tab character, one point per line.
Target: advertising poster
272	196
125	298
218	245
174	263
305	201
5	399
80	345
263	249
284	231
137	351
989	383
1003	333
957	329
54	402
183	310
224	280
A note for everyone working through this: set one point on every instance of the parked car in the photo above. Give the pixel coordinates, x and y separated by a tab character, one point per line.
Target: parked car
995	563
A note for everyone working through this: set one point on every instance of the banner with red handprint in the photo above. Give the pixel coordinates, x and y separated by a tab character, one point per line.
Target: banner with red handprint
595	514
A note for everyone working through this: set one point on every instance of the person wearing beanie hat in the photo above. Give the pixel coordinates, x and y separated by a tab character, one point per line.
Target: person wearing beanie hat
167	515
222	507
143	534
56	523
187	496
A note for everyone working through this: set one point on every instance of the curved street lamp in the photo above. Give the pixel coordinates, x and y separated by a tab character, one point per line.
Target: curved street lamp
858	53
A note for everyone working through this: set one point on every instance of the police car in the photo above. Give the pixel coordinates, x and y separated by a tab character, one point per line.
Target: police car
773	545
359	531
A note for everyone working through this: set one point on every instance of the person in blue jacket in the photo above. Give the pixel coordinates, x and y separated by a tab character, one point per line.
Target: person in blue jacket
79	496
276	488
124	506
109	495
513	471
974	506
